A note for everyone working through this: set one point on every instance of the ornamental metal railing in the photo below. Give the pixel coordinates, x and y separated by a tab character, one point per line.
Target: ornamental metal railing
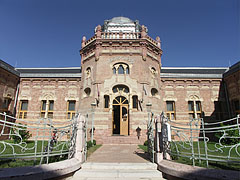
202	143
39	141
150	136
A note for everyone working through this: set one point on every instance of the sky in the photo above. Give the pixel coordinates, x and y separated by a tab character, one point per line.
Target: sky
48	33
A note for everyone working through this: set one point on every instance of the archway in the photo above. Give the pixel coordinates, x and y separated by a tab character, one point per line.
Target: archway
120	116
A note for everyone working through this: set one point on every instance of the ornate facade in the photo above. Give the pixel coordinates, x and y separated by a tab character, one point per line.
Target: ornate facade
120	81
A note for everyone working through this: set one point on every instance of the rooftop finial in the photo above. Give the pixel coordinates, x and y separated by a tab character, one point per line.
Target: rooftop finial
83	41
158	42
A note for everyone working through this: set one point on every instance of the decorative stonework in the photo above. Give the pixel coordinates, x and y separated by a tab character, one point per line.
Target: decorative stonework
121	58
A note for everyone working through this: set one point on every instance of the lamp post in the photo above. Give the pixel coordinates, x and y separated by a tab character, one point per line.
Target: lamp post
93	105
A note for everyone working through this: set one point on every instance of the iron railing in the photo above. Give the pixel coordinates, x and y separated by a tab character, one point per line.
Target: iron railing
202	142
48	140
150	136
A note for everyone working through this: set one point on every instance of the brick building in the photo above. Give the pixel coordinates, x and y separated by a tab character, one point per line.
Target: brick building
121	80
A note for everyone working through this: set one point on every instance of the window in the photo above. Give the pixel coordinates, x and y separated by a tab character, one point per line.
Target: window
171	112
153	72
195	109
6	104
154	91
120	88
88	72
106	101
120	68
87	91
127	70
23	109
135	102
114	70
71	109
48	111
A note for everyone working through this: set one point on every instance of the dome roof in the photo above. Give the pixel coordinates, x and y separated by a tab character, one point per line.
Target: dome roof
120	20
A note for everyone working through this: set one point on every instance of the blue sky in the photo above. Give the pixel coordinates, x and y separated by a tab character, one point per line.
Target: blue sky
48	33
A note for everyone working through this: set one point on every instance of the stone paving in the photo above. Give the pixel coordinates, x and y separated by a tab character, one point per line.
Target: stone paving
118	162
119	154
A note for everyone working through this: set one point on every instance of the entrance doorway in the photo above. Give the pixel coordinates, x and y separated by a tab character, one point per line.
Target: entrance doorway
120	116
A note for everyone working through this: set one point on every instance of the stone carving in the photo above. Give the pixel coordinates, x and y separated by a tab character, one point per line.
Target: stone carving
120	58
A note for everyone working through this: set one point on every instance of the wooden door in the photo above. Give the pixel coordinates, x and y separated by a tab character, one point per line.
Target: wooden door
120	103
124	121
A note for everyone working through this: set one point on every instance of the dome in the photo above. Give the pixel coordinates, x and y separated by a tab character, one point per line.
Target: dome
121	24
120	20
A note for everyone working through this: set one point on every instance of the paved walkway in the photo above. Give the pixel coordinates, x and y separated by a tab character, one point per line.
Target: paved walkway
119	154
118	162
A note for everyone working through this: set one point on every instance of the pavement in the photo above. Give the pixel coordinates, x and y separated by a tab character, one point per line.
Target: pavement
118	162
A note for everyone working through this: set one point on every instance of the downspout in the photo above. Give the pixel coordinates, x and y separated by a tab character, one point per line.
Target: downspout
15	101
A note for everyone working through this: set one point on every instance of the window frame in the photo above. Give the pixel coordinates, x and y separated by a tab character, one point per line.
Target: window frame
106	99
22	114
171	112
194	110
49	112
71	113
136	103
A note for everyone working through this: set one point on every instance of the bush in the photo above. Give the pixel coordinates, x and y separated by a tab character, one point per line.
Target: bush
94	142
20	133
90	144
146	143
232	138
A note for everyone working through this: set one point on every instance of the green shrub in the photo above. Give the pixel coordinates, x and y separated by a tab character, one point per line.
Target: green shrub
232	134
90	144
146	143
20	133
94	142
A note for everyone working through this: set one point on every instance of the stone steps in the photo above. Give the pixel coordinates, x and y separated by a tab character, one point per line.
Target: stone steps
120	140
118	171
119	166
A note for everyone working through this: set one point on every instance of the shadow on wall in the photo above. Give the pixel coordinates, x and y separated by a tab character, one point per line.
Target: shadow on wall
5	129
222	111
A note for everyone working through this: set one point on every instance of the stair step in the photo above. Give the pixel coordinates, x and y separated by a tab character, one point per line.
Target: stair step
91	173
119	166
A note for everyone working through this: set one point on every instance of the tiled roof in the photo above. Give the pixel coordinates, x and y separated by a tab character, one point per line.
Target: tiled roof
234	68
50	72
8	68
192	72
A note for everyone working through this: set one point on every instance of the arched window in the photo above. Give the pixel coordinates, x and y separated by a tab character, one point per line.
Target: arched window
135	102
87	91
120	100
127	70
120	70
153	72
106	101
88	72
154	91
121	88
114	70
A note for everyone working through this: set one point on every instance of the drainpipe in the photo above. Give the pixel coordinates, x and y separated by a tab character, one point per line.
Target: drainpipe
15	101
228	103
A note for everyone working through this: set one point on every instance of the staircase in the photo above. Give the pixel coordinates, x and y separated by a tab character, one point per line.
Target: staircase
121	140
107	171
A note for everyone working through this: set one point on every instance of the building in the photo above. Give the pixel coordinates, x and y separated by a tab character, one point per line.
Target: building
121	81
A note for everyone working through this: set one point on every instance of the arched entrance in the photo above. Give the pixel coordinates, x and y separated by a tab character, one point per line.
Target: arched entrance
120	116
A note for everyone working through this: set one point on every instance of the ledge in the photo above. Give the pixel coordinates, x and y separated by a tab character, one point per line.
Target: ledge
174	170
45	171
